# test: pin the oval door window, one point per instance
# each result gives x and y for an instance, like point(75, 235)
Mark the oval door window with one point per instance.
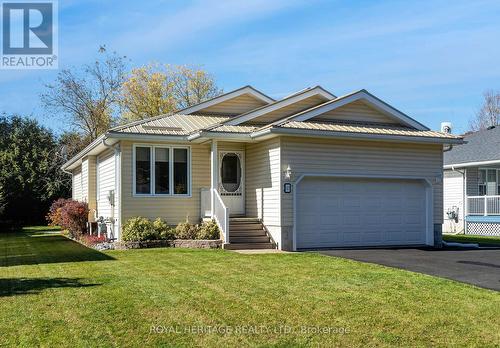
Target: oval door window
point(231, 172)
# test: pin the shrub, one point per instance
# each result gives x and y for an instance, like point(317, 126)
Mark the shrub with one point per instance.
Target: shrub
point(54, 216)
point(185, 230)
point(163, 230)
point(139, 229)
point(208, 230)
point(70, 215)
point(92, 240)
point(74, 216)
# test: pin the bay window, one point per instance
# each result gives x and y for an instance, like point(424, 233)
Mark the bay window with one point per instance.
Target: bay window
point(161, 170)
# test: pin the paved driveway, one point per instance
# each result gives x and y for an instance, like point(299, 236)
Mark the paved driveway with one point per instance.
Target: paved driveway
point(480, 267)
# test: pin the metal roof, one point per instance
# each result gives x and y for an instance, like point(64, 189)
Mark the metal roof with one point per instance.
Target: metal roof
point(176, 124)
point(365, 128)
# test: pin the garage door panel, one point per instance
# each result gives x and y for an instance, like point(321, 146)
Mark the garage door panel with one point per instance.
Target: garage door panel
point(334, 212)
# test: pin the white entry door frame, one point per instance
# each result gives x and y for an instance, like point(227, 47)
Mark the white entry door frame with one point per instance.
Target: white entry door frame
point(232, 180)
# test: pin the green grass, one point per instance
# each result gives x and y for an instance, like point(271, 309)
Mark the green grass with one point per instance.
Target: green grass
point(55, 292)
point(467, 238)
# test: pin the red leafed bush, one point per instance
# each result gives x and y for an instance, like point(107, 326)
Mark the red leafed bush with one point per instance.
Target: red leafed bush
point(70, 215)
point(54, 215)
point(92, 240)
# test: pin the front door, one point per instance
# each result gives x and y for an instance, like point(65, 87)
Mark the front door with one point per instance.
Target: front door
point(232, 181)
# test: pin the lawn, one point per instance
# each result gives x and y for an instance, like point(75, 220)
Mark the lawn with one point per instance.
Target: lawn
point(468, 238)
point(55, 292)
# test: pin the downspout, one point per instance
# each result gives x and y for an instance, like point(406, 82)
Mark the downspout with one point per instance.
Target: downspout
point(116, 202)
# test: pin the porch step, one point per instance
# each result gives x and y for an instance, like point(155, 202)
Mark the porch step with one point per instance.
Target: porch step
point(247, 233)
point(249, 239)
point(236, 220)
point(246, 227)
point(245, 246)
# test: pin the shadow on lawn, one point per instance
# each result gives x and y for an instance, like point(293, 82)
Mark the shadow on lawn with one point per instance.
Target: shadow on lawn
point(38, 248)
point(27, 286)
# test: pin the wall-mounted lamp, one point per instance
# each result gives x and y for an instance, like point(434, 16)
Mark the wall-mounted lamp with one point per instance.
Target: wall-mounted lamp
point(288, 173)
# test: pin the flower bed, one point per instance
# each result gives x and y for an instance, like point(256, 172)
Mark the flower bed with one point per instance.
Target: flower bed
point(175, 243)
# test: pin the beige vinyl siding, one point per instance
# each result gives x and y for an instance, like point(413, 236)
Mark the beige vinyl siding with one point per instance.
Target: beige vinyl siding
point(105, 183)
point(92, 188)
point(319, 156)
point(173, 209)
point(453, 196)
point(356, 111)
point(85, 180)
point(288, 110)
point(230, 146)
point(234, 106)
point(263, 182)
point(76, 184)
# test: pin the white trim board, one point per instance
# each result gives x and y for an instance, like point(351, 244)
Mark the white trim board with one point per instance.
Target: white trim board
point(359, 95)
point(294, 98)
point(470, 164)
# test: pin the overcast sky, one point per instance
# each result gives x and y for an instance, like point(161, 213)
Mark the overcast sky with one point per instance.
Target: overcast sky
point(432, 60)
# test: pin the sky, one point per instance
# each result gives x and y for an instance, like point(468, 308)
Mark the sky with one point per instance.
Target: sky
point(430, 59)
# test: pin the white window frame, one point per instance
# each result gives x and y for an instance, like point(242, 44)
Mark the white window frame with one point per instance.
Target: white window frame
point(171, 148)
point(497, 191)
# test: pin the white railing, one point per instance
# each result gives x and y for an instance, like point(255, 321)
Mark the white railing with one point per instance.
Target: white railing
point(483, 205)
point(221, 215)
point(205, 205)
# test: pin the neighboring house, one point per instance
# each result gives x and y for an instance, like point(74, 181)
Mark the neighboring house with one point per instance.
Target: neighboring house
point(314, 169)
point(472, 184)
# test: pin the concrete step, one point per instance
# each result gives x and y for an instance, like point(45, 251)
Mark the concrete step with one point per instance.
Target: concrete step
point(243, 219)
point(247, 233)
point(249, 239)
point(245, 227)
point(245, 246)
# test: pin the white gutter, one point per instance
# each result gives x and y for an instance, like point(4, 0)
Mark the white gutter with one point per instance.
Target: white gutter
point(152, 137)
point(471, 164)
point(220, 135)
point(83, 152)
point(333, 134)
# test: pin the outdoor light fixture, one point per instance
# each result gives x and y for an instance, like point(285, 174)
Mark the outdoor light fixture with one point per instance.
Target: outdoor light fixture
point(288, 172)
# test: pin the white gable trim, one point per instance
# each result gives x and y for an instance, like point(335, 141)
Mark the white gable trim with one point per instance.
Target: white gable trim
point(360, 95)
point(227, 96)
point(294, 98)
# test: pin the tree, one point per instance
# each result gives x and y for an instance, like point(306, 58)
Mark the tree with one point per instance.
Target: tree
point(30, 175)
point(147, 92)
point(489, 113)
point(155, 89)
point(192, 85)
point(88, 96)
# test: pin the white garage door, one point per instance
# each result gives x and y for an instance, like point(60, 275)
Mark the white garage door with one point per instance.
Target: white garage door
point(335, 212)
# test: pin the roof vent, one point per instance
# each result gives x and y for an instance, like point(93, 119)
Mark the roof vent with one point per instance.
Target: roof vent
point(490, 127)
point(446, 127)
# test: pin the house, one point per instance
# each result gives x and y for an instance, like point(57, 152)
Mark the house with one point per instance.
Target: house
point(472, 184)
point(311, 170)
